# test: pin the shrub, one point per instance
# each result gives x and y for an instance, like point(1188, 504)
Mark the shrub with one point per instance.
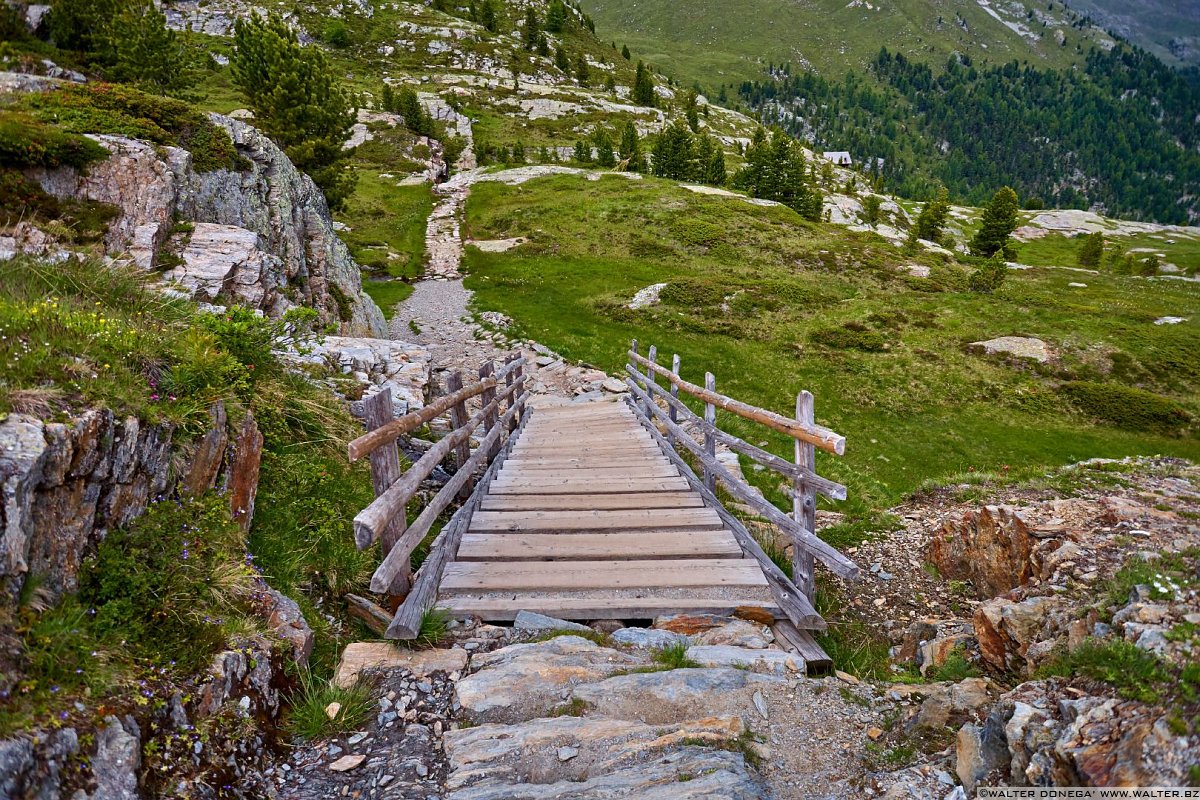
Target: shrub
point(698, 233)
point(336, 34)
point(849, 337)
point(1135, 673)
point(125, 111)
point(27, 143)
point(173, 584)
point(1125, 406)
point(692, 293)
point(989, 277)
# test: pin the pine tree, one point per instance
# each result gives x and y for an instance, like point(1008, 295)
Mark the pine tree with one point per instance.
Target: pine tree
point(999, 221)
point(610, 83)
point(872, 210)
point(1092, 250)
point(583, 72)
point(625, 54)
point(556, 16)
point(631, 148)
point(715, 173)
point(673, 156)
point(604, 149)
point(145, 51)
point(488, 15)
point(296, 101)
point(561, 61)
point(81, 25)
point(643, 86)
point(416, 118)
point(932, 218)
point(989, 277)
point(583, 152)
point(530, 29)
point(387, 99)
point(691, 111)
point(518, 152)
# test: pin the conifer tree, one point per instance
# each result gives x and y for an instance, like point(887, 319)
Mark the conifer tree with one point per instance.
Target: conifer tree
point(416, 118)
point(144, 51)
point(1092, 250)
point(531, 31)
point(932, 218)
point(583, 152)
point(556, 16)
point(631, 148)
point(999, 221)
point(561, 61)
point(81, 25)
point(296, 101)
point(488, 15)
point(673, 153)
point(604, 149)
point(625, 54)
point(691, 110)
point(583, 72)
point(643, 86)
point(715, 173)
point(872, 210)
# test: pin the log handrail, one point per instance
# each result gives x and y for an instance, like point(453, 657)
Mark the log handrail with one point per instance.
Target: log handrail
point(832, 490)
point(393, 430)
point(835, 561)
point(372, 520)
point(813, 434)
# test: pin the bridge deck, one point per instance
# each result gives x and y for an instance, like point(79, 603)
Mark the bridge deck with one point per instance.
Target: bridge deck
point(588, 519)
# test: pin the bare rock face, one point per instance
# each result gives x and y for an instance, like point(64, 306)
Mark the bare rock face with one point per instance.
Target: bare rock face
point(378, 364)
point(990, 547)
point(263, 238)
point(1006, 629)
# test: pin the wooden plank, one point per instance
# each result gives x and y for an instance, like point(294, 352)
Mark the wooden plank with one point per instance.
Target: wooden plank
point(594, 462)
point(610, 486)
point(598, 546)
point(474, 576)
point(369, 613)
point(633, 450)
point(585, 501)
point(590, 608)
point(659, 518)
point(802, 643)
point(629, 471)
point(814, 434)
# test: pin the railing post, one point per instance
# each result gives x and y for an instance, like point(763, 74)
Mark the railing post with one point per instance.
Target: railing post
point(651, 377)
point(674, 389)
point(385, 470)
point(804, 500)
point(458, 418)
point(486, 370)
point(710, 441)
point(509, 380)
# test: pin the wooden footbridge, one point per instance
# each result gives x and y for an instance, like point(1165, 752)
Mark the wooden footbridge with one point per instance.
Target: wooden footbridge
point(585, 511)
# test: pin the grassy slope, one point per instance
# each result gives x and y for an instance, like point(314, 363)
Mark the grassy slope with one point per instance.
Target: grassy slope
point(718, 42)
point(923, 409)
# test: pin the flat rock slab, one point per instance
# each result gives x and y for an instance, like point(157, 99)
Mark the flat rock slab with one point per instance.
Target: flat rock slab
point(649, 638)
point(360, 656)
point(532, 621)
point(611, 759)
point(1017, 346)
point(527, 680)
point(776, 661)
point(675, 695)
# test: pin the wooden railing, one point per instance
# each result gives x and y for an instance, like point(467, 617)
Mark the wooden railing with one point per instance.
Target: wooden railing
point(795, 596)
point(384, 520)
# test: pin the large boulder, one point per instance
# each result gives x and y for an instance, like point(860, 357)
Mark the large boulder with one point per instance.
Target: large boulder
point(1007, 628)
point(990, 547)
point(676, 695)
point(1018, 347)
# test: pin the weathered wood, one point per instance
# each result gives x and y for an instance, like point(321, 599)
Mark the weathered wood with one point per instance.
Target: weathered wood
point(410, 422)
point(588, 608)
point(472, 576)
point(594, 520)
point(664, 470)
point(398, 559)
point(673, 393)
point(385, 470)
point(831, 489)
point(804, 501)
point(458, 418)
point(406, 624)
point(794, 605)
point(580, 486)
point(803, 644)
point(710, 425)
point(640, 545)
point(585, 501)
point(486, 370)
point(369, 522)
point(816, 434)
point(370, 614)
point(835, 561)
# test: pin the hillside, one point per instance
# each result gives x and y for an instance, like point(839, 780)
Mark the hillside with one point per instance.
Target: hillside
point(717, 43)
point(1170, 30)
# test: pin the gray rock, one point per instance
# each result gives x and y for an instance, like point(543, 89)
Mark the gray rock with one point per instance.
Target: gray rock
point(16, 761)
point(524, 680)
point(1016, 346)
point(650, 638)
point(981, 751)
point(531, 621)
point(776, 661)
point(117, 760)
point(674, 695)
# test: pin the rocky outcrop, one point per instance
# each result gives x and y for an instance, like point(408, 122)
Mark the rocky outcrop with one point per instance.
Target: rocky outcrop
point(66, 484)
point(1018, 347)
point(989, 547)
point(262, 236)
point(377, 365)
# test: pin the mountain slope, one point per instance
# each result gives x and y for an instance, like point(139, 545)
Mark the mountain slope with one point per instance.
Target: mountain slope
point(1168, 28)
point(719, 42)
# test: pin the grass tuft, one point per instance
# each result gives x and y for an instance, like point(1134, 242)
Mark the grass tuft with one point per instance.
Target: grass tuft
point(307, 718)
point(674, 656)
